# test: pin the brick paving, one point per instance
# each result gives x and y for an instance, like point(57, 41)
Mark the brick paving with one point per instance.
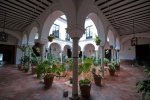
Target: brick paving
point(17, 85)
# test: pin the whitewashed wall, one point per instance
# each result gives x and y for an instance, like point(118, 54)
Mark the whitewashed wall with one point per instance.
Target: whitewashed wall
point(128, 51)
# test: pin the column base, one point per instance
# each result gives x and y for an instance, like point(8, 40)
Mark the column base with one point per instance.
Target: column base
point(74, 97)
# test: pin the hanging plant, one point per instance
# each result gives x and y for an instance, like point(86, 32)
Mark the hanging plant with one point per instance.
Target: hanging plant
point(97, 40)
point(51, 37)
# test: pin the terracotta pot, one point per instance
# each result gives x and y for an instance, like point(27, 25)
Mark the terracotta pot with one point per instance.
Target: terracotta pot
point(85, 90)
point(19, 67)
point(106, 64)
point(117, 67)
point(48, 80)
point(112, 72)
point(97, 81)
point(38, 75)
point(50, 39)
point(33, 68)
point(97, 43)
point(26, 70)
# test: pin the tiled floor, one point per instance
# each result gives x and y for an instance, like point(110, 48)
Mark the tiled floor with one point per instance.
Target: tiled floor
point(17, 85)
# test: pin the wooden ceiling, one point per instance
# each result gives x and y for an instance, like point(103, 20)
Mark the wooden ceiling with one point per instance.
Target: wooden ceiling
point(123, 13)
point(120, 13)
point(20, 13)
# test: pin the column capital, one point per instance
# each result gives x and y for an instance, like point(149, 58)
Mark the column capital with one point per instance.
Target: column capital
point(75, 31)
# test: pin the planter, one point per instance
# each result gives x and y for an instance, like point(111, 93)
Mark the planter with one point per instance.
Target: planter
point(48, 80)
point(105, 64)
point(50, 39)
point(112, 72)
point(38, 75)
point(111, 47)
point(85, 90)
point(19, 67)
point(71, 80)
point(26, 70)
point(98, 43)
point(97, 81)
point(33, 68)
point(117, 67)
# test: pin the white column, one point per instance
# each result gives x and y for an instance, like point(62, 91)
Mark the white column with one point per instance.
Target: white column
point(112, 54)
point(61, 57)
point(102, 60)
point(29, 54)
point(75, 67)
point(42, 51)
point(118, 56)
point(82, 56)
point(96, 54)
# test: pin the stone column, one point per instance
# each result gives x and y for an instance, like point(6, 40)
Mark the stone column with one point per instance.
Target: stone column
point(75, 68)
point(82, 56)
point(42, 51)
point(29, 54)
point(61, 57)
point(102, 58)
point(75, 32)
point(112, 52)
point(118, 55)
point(96, 54)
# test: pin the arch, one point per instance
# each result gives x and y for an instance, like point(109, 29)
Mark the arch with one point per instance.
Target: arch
point(111, 38)
point(32, 35)
point(24, 38)
point(89, 49)
point(10, 32)
point(117, 43)
point(55, 49)
point(56, 44)
point(87, 45)
point(67, 46)
point(87, 9)
point(49, 22)
point(146, 35)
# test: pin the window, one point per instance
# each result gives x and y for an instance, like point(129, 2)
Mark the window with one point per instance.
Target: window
point(67, 37)
point(56, 30)
point(89, 32)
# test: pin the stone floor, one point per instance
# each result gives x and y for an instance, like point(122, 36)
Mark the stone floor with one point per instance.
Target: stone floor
point(17, 85)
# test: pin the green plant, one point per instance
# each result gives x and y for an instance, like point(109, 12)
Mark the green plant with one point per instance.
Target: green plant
point(22, 47)
point(84, 81)
point(106, 60)
point(97, 39)
point(144, 85)
point(71, 77)
point(111, 65)
point(51, 35)
point(70, 61)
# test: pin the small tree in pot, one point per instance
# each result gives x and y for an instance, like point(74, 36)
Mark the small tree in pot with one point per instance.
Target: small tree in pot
point(112, 68)
point(85, 84)
point(97, 40)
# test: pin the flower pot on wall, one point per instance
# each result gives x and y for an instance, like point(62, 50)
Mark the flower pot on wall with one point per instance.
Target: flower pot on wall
point(50, 39)
point(98, 43)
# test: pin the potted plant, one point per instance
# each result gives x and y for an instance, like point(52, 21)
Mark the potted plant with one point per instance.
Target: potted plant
point(71, 79)
point(85, 83)
point(112, 68)
point(144, 85)
point(50, 69)
point(51, 37)
point(106, 61)
point(117, 65)
point(97, 40)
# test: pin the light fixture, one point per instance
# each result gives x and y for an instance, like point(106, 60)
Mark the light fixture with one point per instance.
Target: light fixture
point(134, 40)
point(3, 35)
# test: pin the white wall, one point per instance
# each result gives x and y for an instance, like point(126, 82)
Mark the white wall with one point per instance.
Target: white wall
point(128, 51)
point(89, 22)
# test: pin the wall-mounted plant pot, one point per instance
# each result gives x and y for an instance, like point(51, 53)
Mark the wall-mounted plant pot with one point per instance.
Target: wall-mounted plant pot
point(97, 43)
point(50, 39)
